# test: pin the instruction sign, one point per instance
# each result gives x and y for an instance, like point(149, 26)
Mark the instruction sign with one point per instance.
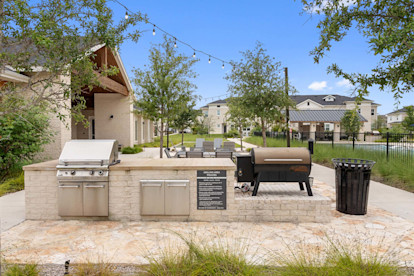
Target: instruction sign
point(211, 190)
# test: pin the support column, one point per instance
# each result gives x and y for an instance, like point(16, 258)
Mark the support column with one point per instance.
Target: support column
point(312, 130)
point(337, 131)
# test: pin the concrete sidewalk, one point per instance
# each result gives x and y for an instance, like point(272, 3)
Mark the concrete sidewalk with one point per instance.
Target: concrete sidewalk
point(388, 198)
point(11, 210)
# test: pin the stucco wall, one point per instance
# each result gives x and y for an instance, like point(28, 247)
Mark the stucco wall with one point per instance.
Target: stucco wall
point(118, 127)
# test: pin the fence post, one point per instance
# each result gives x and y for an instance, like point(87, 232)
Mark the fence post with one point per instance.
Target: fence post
point(353, 141)
point(388, 144)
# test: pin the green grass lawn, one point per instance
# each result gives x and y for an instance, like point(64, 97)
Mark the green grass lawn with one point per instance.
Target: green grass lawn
point(189, 140)
point(396, 172)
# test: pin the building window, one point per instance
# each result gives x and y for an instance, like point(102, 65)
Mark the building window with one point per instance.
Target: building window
point(218, 111)
point(372, 112)
point(308, 103)
point(206, 113)
point(218, 125)
point(136, 130)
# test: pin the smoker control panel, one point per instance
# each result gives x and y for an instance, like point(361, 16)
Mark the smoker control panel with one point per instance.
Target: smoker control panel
point(82, 173)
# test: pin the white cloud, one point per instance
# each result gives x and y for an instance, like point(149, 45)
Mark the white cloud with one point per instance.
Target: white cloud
point(318, 85)
point(344, 82)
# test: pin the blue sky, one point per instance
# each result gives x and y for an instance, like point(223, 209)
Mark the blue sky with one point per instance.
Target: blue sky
point(224, 28)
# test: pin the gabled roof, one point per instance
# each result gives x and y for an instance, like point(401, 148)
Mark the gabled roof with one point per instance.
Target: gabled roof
point(398, 110)
point(339, 99)
point(218, 102)
point(324, 115)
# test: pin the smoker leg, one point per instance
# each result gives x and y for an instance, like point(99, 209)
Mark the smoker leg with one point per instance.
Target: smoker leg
point(252, 183)
point(308, 188)
point(301, 186)
point(256, 186)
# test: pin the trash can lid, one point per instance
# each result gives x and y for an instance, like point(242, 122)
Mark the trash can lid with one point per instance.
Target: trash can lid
point(353, 163)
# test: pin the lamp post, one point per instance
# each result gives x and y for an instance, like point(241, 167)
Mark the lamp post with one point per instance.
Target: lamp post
point(287, 108)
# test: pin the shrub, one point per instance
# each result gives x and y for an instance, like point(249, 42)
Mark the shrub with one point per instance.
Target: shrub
point(92, 269)
point(22, 135)
point(12, 185)
point(131, 150)
point(26, 270)
point(231, 134)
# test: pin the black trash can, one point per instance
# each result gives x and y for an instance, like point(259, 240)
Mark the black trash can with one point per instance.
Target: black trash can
point(352, 185)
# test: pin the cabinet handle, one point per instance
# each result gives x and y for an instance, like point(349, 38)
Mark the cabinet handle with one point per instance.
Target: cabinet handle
point(69, 186)
point(100, 186)
point(177, 184)
point(151, 184)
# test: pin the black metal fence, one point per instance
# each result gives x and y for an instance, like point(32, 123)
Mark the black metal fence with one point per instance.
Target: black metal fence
point(391, 145)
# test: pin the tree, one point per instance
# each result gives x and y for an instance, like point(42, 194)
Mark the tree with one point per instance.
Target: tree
point(256, 81)
point(408, 122)
point(350, 122)
point(56, 36)
point(237, 114)
point(379, 123)
point(22, 135)
point(165, 86)
point(388, 27)
point(185, 118)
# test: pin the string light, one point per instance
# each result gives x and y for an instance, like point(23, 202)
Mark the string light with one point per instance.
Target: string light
point(209, 59)
point(172, 36)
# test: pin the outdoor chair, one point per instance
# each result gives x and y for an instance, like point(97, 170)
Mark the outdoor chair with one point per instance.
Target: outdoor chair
point(197, 149)
point(199, 142)
point(167, 152)
point(224, 154)
point(208, 146)
point(217, 143)
point(231, 146)
point(194, 154)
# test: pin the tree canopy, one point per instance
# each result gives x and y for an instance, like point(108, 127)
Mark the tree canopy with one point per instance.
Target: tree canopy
point(256, 81)
point(238, 115)
point(50, 41)
point(388, 27)
point(350, 122)
point(408, 122)
point(164, 86)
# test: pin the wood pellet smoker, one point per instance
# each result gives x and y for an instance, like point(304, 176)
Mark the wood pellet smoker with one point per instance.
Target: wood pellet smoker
point(275, 165)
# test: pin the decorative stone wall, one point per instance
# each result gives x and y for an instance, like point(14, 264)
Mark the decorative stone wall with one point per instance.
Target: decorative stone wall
point(275, 202)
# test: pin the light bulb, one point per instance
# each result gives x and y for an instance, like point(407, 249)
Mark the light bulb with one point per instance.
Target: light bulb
point(175, 44)
point(194, 55)
point(126, 15)
point(222, 67)
point(209, 59)
point(153, 31)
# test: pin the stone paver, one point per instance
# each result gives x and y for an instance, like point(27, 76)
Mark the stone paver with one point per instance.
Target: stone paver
point(134, 242)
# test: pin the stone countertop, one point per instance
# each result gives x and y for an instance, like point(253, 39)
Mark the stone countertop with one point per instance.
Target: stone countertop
point(176, 164)
point(153, 164)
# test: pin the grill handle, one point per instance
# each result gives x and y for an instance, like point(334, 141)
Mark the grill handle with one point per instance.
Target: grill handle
point(69, 186)
point(284, 160)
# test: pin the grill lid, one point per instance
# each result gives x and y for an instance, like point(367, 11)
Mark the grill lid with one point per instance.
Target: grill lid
point(86, 153)
point(281, 156)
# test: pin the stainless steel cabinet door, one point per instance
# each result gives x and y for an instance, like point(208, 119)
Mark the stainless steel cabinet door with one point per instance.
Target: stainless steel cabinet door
point(95, 199)
point(177, 197)
point(152, 197)
point(70, 199)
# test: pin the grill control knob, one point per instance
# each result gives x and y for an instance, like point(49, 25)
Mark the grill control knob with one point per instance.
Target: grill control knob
point(100, 172)
point(91, 172)
point(72, 172)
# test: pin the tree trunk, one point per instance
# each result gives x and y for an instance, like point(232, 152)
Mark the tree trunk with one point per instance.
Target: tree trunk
point(161, 137)
point(182, 137)
point(263, 133)
point(241, 137)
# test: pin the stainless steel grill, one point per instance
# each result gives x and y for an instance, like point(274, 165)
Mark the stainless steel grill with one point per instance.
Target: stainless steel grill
point(275, 165)
point(83, 177)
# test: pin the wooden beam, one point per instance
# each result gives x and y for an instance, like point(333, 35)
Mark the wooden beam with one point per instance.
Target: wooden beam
point(111, 85)
point(105, 62)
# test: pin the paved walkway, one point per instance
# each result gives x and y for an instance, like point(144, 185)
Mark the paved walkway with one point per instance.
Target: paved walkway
point(391, 199)
point(11, 210)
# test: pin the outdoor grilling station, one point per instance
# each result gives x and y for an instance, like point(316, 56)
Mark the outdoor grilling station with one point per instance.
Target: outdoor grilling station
point(91, 181)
